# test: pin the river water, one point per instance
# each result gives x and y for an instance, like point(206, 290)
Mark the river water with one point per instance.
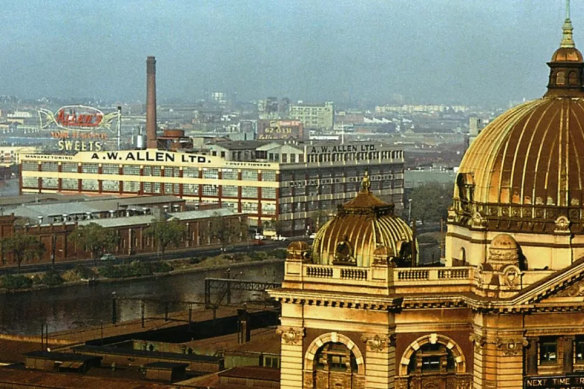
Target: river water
point(84, 305)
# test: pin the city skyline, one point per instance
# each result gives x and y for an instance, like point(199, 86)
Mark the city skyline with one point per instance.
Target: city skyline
point(429, 52)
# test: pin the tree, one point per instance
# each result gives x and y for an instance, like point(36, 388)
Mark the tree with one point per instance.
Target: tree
point(226, 230)
point(164, 233)
point(277, 225)
point(95, 239)
point(318, 218)
point(430, 202)
point(23, 246)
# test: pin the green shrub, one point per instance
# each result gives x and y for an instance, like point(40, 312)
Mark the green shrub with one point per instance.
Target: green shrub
point(279, 253)
point(36, 279)
point(108, 271)
point(238, 257)
point(134, 269)
point(160, 267)
point(10, 281)
point(52, 278)
point(84, 272)
point(257, 255)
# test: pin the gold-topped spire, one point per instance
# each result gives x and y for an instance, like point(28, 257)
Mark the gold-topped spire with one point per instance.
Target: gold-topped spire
point(567, 40)
point(366, 183)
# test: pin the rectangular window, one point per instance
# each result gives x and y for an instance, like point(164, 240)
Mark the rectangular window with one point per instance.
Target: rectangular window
point(90, 168)
point(191, 172)
point(268, 175)
point(69, 184)
point(229, 191)
point(131, 186)
point(548, 350)
point(249, 191)
point(269, 193)
point(171, 171)
point(110, 169)
point(211, 173)
point(210, 190)
point(110, 186)
point(69, 167)
point(131, 170)
point(285, 192)
point(268, 209)
point(249, 175)
point(286, 176)
point(91, 185)
point(191, 189)
point(579, 349)
point(172, 189)
point(31, 166)
point(50, 167)
point(229, 174)
point(249, 207)
point(153, 171)
point(50, 183)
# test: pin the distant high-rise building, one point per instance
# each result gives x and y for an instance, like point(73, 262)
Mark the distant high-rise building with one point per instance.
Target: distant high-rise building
point(314, 116)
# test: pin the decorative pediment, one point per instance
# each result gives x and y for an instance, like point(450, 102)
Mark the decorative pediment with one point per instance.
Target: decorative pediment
point(566, 285)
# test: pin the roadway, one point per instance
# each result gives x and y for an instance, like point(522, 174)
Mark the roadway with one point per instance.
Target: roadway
point(266, 245)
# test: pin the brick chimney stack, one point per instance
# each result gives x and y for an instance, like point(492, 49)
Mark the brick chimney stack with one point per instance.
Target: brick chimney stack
point(151, 142)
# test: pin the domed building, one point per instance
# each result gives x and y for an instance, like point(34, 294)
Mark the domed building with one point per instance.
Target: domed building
point(524, 175)
point(362, 226)
point(506, 310)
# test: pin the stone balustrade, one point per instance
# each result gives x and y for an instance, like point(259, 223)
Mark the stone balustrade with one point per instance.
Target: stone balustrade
point(378, 275)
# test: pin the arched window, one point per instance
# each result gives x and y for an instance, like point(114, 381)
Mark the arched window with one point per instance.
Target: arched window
point(334, 367)
point(573, 79)
point(431, 359)
point(333, 361)
point(561, 78)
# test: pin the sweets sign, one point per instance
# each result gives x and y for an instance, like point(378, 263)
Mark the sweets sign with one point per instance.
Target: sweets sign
point(76, 117)
point(77, 127)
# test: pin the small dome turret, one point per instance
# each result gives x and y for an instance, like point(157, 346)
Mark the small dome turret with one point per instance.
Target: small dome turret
point(361, 227)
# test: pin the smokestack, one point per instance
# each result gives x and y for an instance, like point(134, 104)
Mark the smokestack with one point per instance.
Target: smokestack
point(151, 103)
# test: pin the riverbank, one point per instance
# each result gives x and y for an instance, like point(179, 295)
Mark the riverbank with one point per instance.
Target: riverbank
point(82, 306)
point(95, 274)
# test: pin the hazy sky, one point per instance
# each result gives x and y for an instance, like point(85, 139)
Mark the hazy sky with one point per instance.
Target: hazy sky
point(465, 51)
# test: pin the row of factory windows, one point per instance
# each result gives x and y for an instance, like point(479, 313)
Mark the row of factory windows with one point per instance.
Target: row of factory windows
point(357, 156)
point(72, 184)
point(349, 187)
point(154, 171)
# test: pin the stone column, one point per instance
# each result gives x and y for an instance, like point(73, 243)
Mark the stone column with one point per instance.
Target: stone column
point(380, 361)
point(568, 360)
point(291, 357)
point(532, 356)
point(499, 362)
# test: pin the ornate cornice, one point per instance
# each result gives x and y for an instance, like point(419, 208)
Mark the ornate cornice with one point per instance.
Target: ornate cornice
point(533, 218)
point(378, 343)
point(565, 289)
point(324, 299)
point(291, 335)
point(511, 346)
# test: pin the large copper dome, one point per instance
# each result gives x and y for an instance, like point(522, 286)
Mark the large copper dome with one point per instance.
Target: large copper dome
point(526, 168)
point(361, 228)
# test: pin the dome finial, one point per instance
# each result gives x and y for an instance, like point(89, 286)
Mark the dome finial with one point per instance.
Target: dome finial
point(567, 40)
point(567, 9)
point(366, 183)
